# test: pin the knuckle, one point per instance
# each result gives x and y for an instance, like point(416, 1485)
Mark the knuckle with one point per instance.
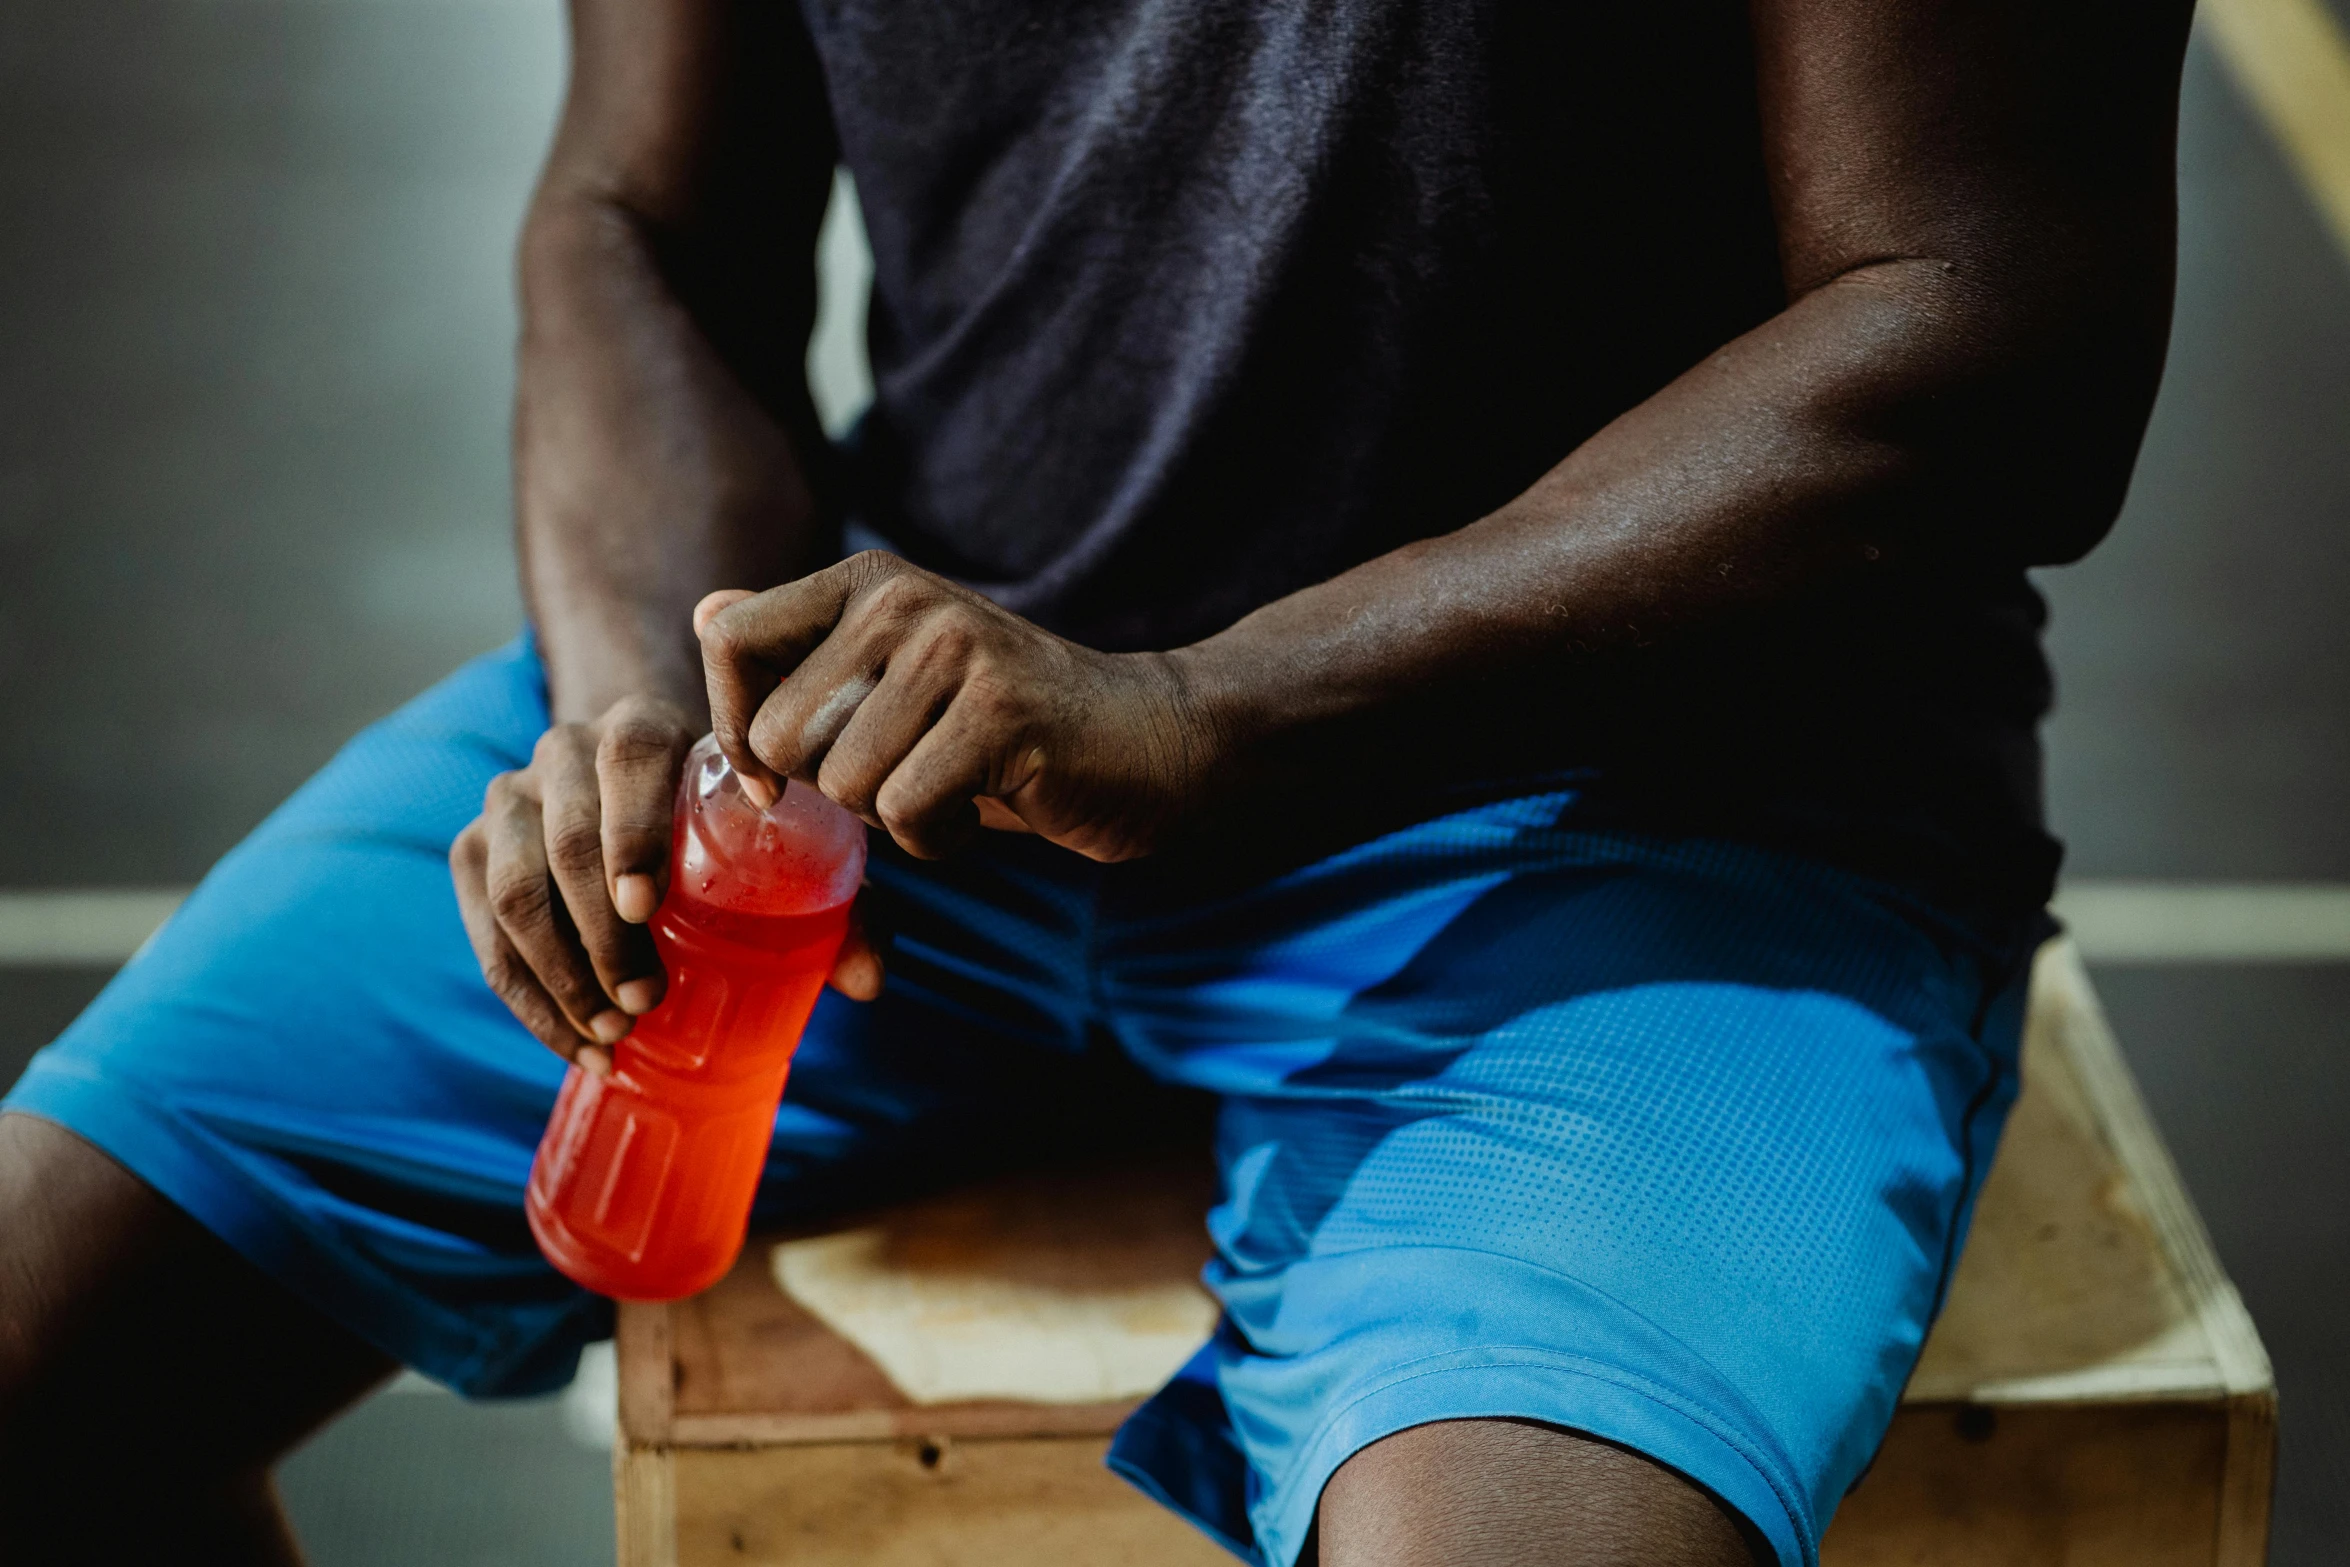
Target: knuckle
point(635, 841)
point(991, 696)
point(639, 816)
point(899, 813)
point(769, 730)
point(870, 566)
point(506, 975)
point(896, 596)
point(724, 636)
point(845, 785)
point(575, 844)
point(519, 900)
point(633, 727)
point(640, 710)
point(949, 639)
point(636, 737)
point(560, 743)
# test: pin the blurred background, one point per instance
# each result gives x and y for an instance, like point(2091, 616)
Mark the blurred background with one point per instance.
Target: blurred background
point(255, 332)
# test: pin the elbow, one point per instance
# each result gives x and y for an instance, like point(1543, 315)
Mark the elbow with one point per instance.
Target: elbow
point(2072, 421)
point(2026, 427)
point(570, 233)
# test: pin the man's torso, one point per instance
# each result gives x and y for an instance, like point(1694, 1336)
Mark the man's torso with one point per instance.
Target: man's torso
point(1183, 305)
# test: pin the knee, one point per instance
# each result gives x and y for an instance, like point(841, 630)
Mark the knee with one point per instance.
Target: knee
point(1513, 1493)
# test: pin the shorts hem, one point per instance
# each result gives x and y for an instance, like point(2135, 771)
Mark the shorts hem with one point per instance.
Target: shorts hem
point(1528, 1383)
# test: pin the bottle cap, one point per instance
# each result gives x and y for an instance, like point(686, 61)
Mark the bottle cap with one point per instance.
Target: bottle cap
point(801, 855)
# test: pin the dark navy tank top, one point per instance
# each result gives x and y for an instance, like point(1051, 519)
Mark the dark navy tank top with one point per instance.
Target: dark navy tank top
point(1182, 305)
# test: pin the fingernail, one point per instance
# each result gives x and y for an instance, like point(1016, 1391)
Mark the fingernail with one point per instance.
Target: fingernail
point(758, 791)
point(608, 1026)
point(634, 897)
point(639, 995)
point(594, 1060)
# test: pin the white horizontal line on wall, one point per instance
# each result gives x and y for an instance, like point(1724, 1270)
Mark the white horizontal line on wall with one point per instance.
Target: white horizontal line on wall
point(2113, 921)
point(78, 927)
point(2207, 922)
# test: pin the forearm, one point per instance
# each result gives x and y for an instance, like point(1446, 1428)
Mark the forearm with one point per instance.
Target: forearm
point(1900, 415)
point(647, 474)
point(663, 430)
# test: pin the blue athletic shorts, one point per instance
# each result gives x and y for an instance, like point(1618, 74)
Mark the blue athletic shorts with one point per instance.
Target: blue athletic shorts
point(1664, 1139)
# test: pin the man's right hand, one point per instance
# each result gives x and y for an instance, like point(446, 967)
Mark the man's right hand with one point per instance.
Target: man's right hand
point(567, 861)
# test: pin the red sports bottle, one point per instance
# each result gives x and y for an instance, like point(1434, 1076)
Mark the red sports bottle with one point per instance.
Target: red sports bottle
point(642, 1186)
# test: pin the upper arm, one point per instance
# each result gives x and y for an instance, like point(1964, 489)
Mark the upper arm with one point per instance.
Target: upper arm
point(2003, 171)
point(1988, 133)
point(700, 130)
point(684, 111)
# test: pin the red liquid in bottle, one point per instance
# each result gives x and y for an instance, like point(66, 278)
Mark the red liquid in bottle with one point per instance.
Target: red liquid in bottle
point(643, 1183)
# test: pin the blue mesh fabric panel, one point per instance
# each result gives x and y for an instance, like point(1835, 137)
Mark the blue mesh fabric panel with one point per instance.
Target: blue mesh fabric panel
point(1665, 1140)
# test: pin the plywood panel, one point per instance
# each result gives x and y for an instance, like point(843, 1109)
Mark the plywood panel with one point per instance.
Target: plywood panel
point(2133, 1485)
point(913, 1503)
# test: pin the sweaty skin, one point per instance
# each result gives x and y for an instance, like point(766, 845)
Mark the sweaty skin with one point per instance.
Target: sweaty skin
point(1974, 203)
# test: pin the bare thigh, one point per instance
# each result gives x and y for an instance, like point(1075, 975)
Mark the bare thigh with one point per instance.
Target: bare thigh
point(149, 1376)
point(1514, 1493)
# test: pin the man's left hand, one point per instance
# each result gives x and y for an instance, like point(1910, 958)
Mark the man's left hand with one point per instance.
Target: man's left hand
point(931, 712)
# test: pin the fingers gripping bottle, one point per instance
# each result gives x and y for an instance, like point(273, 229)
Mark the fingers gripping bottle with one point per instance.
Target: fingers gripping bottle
point(642, 1186)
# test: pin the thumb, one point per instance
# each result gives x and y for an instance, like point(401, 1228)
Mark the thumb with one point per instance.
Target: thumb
point(712, 603)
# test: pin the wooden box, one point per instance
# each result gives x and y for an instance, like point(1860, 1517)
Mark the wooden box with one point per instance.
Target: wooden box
point(2094, 1393)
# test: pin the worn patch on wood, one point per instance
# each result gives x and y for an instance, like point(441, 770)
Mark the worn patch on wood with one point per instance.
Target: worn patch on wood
point(957, 1334)
point(1073, 1287)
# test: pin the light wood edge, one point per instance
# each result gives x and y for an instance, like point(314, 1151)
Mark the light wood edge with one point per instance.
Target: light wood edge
point(2082, 1033)
point(644, 1505)
point(648, 1375)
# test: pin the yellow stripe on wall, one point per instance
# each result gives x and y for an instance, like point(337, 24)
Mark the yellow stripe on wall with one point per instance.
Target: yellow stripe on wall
point(2292, 61)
